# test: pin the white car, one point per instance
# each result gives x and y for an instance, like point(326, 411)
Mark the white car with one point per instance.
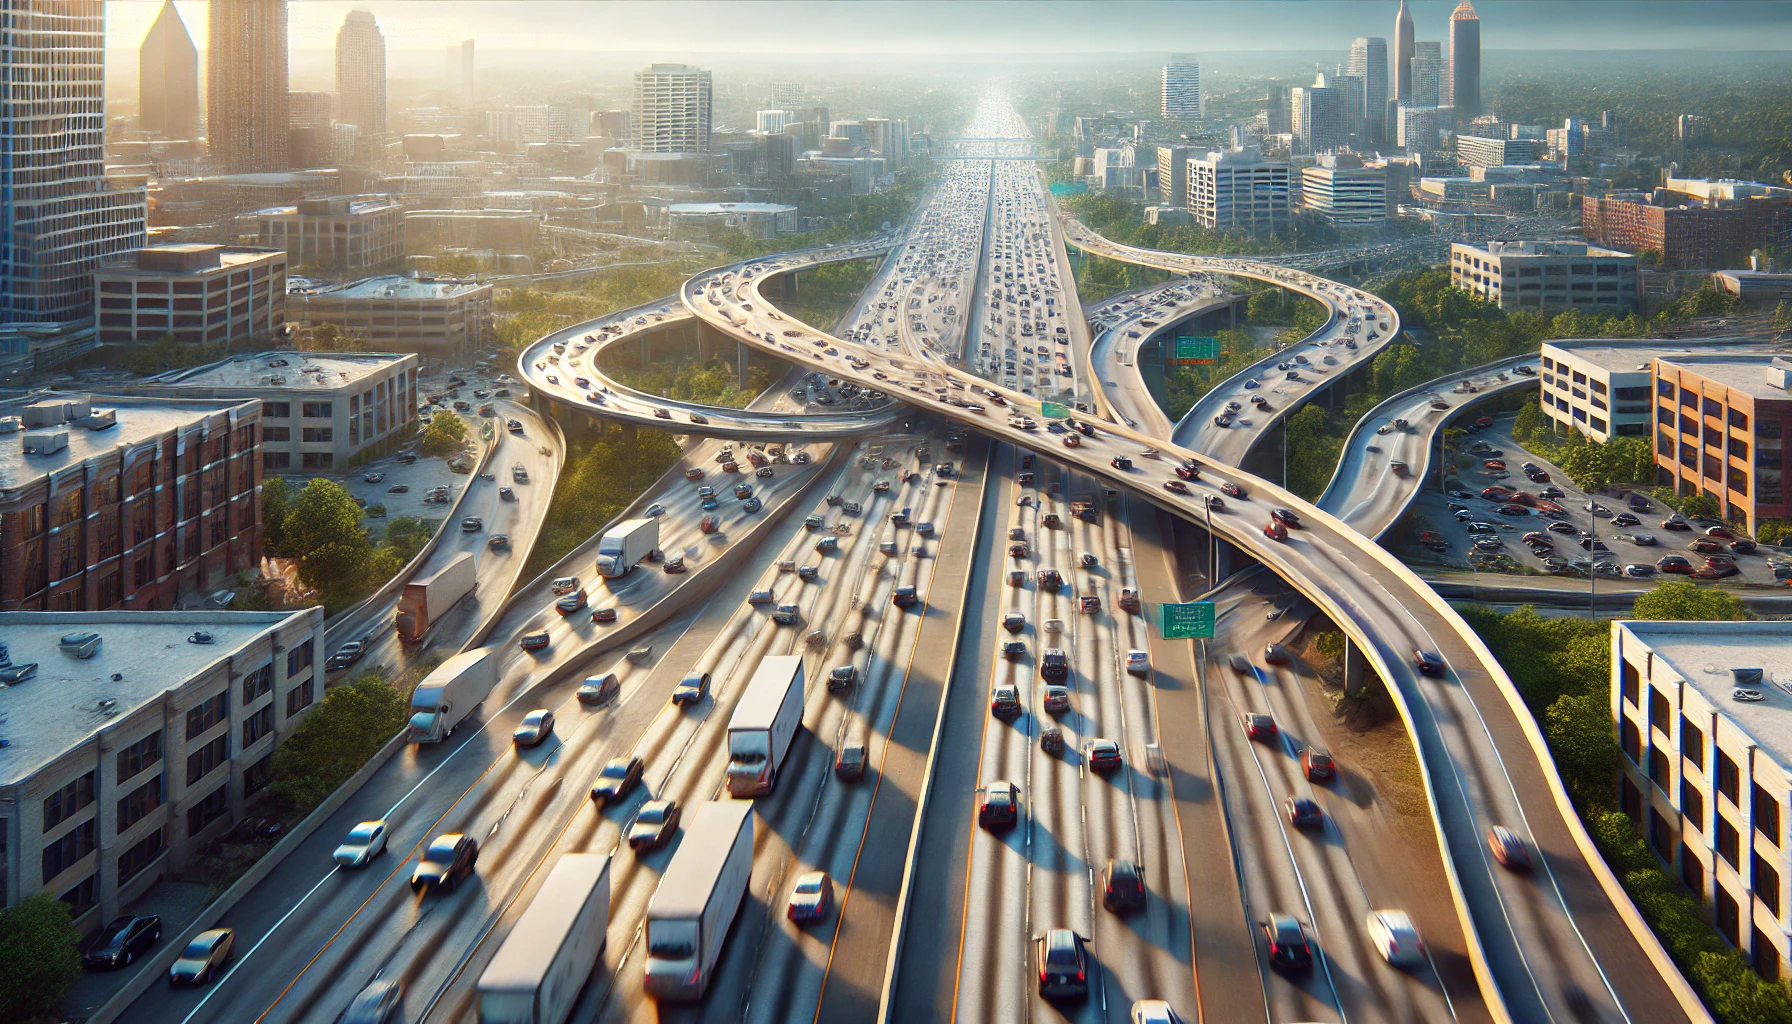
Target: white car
point(365, 842)
point(1138, 663)
point(1154, 1011)
point(1396, 938)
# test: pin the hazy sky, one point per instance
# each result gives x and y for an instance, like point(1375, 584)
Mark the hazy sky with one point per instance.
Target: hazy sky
point(669, 28)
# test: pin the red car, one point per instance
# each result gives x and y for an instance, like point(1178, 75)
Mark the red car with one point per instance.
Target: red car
point(1259, 727)
point(1318, 765)
point(1274, 530)
point(693, 474)
point(1508, 848)
point(708, 525)
point(1720, 533)
point(1706, 546)
point(1071, 440)
point(1232, 490)
point(1188, 472)
point(1175, 487)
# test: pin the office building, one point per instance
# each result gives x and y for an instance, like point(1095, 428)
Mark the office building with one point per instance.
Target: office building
point(1172, 173)
point(1475, 151)
point(672, 109)
point(1720, 424)
point(1180, 83)
point(1369, 62)
point(1690, 230)
point(1465, 60)
point(1547, 275)
point(1238, 190)
point(1691, 131)
point(703, 221)
point(168, 78)
point(341, 233)
point(1343, 193)
point(771, 120)
point(1417, 130)
point(122, 765)
point(245, 98)
point(1428, 70)
point(1276, 118)
point(1754, 287)
point(320, 411)
point(1403, 54)
point(125, 502)
point(361, 74)
point(1319, 119)
point(1707, 772)
point(457, 72)
point(787, 95)
point(59, 217)
point(195, 293)
point(444, 319)
point(1603, 392)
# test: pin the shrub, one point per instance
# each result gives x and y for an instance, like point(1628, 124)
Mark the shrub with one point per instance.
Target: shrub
point(1680, 600)
point(39, 957)
point(354, 720)
point(445, 435)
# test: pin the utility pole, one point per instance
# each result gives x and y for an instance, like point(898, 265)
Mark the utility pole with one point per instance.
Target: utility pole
point(1592, 561)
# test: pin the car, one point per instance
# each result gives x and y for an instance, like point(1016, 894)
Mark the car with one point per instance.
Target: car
point(536, 641)
point(1705, 546)
point(654, 825)
point(1259, 726)
point(373, 478)
point(1014, 649)
point(655, 510)
point(1427, 663)
point(1004, 701)
point(1716, 572)
point(1719, 532)
point(122, 941)
point(1626, 519)
point(999, 806)
point(1088, 604)
point(1673, 564)
point(1274, 530)
point(376, 1003)
point(842, 678)
point(811, 897)
point(1138, 663)
point(691, 689)
point(1120, 462)
point(1286, 517)
point(708, 524)
point(346, 655)
point(1674, 522)
point(849, 764)
point(905, 596)
point(1512, 510)
point(1395, 938)
point(363, 843)
point(1318, 766)
point(204, 956)
point(1287, 941)
point(506, 494)
point(1562, 527)
point(1175, 487)
point(599, 689)
point(1103, 755)
point(1088, 560)
point(498, 541)
point(1123, 886)
point(674, 566)
point(1644, 539)
point(1555, 493)
point(616, 780)
point(472, 524)
point(1063, 964)
point(571, 602)
point(1276, 654)
point(1303, 812)
point(663, 414)
point(449, 858)
point(564, 584)
point(535, 727)
point(693, 474)
point(1508, 848)
point(1639, 570)
point(1014, 622)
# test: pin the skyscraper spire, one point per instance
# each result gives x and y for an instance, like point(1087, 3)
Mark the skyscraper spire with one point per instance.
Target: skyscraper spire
point(168, 78)
point(1403, 47)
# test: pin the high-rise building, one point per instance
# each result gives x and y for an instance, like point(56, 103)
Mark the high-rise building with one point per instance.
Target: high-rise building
point(787, 95)
point(457, 71)
point(1275, 111)
point(1172, 173)
point(246, 113)
point(168, 78)
point(1403, 54)
point(1369, 62)
point(1343, 193)
point(58, 216)
point(1465, 60)
point(1319, 119)
point(672, 109)
point(1417, 129)
point(361, 73)
point(1237, 189)
point(1691, 131)
point(771, 120)
point(1181, 80)
point(1428, 75)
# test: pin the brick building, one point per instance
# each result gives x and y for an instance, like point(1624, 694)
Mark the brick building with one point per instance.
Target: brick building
point(1720, 429)
point(136, 503)
point(1687, 232)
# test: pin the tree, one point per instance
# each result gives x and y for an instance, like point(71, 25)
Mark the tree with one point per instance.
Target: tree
point(276, 501)
point(1698, 506)
point(323, 513)
point(1579, 730)
point(1684, 601)
point(354, 720)
point(445, 435)
point(1649, 258)
point(1530, 423)
point(39, 957)
point(407, 534)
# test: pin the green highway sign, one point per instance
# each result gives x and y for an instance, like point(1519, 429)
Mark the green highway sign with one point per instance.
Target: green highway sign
point(1191, 351)
point(1192, 620)
point(1054, 411)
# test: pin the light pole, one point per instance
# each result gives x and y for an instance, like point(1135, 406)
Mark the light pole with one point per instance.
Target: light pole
point(1592, 559)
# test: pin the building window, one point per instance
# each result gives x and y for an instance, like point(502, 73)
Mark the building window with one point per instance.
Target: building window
point(61, 854)
point(1659, 769)
point(206, 811)
point(1728, 842)
point(276, 410)
point(1738, 418)
point(1712, 407)
point(317, 410)
point(132, 862)
point(1765, 956)
point(206, 759)
point(316, 435)
point(1728, 920)
point(141, 801)
point(207, 713)
point(1692, 803)
point(1729, 778)
point(257, 683)
point(1767, 885)
point(137, 757)
point(1627, 682)
point(65, 802)
point(83, 896)
point(276, 460)
point(1692, 871)
point(1766, 813)
point(277, 435)
point(258, 725)
point(298, 698)
point(1629, 741)
point(1658, 711)
point(1692, 743)
point(257, 776)
point(298, 659)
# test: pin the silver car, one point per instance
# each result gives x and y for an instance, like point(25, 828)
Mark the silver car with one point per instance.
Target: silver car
point(364, 842)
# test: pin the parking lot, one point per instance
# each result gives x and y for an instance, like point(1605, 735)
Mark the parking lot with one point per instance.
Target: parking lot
point(1634, 538)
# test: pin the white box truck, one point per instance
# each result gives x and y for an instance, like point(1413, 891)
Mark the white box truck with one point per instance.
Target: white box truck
point(690, 912)
point(764, 723)
point(546, 959)
point(625, 544)
point(423, 602)
point(451, 692)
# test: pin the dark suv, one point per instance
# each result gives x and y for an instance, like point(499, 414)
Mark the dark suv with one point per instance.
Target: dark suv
point(122, 941)
point(1063, 965)
point(1123, 886)
point(450, 858)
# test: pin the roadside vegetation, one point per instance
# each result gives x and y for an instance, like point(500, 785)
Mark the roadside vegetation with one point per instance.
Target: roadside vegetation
point(523, 315)
point(39, 958)
point(601, 477)
point(352, 722)
point(1562, 669)
point(319, 525)
point(853, 218)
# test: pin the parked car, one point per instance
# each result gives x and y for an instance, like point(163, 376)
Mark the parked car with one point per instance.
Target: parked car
point(123, 941)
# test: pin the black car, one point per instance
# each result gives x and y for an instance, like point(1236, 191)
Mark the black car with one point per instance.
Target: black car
point(1063, 964)
point(1427, 663)
point(122, 941)
point(1123, 886)
point(691, 689)
point(654, 825)
point(1288, 948)
point(1304, 812)
point(1286, 517)
point(450, 857)
point(617, 779)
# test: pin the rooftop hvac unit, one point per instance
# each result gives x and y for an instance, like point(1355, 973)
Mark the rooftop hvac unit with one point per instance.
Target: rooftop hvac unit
point(100, 419)
point(45, 442)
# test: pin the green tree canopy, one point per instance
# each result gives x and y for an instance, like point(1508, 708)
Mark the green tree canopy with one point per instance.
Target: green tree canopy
point(1681, 600)
point(324, 513)
point(39, 956)
point(354, 720)
point(276, 502)
point(445, 435)
point(1699, 506)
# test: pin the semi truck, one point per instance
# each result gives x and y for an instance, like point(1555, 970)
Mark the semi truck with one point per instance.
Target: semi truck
point(424, 602)
point(698, 896)
point(764, 723)
point(625, 544)
point(537, 973)
point(448, 694)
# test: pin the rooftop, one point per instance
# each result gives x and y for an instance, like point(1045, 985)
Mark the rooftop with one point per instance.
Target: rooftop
point(1637, 356)
point(138, 419)
point(396, 287)
point(1703, 653)
point(1758, 376)
point(141, 655)
point(1531, 247)
point(293, 371)
point(714, 208)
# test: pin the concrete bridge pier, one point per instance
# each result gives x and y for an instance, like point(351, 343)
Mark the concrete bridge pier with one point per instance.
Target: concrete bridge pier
point(742, 357)
point(1356, 670)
